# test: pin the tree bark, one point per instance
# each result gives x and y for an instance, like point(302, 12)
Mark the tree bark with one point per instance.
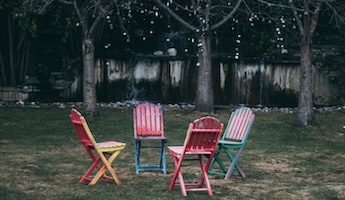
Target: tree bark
point(89, 89)
point(3, 80)
point(305, 115)
point(204, 95)
point(13, 81)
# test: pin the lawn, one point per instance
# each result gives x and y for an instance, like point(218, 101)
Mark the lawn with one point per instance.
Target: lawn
point(42, 158)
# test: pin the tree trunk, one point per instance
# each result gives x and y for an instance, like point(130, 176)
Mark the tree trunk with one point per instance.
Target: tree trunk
point(3, 80)
point(89, 88)
point(305, 115)
point(13, 81)
point(204, 93)
point(23, 54)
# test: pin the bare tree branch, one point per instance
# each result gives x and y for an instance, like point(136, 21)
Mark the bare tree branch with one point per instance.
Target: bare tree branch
point(315, 16)
point(38, 7)
point(103, 11)
point(175, 16)
point(277, 4)
point(295, 13)
point(122, 26)
point(76, 8)
point(229, 16)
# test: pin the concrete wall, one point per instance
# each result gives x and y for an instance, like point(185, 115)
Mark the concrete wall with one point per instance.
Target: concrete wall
point(13, 94)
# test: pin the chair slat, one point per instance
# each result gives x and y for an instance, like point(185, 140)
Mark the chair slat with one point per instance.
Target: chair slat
point(148, 120)
point(238, 124)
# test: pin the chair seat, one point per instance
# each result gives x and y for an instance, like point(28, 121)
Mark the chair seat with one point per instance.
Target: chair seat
point(178, 150)
point(230, 142)
point(110, 144)
point(150, 138)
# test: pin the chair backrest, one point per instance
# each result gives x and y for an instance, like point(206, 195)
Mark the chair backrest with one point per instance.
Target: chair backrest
point(82, 129)
point(203, 135)
point(148, 120)
point(239, 125)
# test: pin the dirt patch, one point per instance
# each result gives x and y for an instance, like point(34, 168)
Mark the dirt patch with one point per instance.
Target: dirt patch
point(276, 165)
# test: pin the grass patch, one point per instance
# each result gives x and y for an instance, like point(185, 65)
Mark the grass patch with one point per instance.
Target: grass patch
point(42, 158)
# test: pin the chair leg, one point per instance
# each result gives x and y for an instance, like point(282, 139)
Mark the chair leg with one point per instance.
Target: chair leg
point(173, 179)
point(111, 169)
point(178, 174)
point(204, 177)
point(107, 166)
point(233, 159)
point(216, 159)
point(161, 166)
point(212, 163)
point(86, 176)
point(182, 183)
point(204, 181)
point(234, 164)
point(162, 162)
point(137, 146)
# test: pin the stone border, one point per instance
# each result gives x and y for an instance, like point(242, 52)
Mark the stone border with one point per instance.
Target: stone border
point(181, 106)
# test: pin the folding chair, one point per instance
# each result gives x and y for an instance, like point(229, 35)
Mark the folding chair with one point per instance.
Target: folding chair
point(98, 152)
point(149, 127)
point(234, 139)
point(201, 140)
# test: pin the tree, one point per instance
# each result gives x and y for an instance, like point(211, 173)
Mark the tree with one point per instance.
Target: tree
point(90, 14)
point(306, 15)
point(202, 17)
point(18, 32)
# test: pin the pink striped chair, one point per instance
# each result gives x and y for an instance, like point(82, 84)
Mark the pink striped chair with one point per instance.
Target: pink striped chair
point(149, 126)
point(200, 145)
point(232, 143)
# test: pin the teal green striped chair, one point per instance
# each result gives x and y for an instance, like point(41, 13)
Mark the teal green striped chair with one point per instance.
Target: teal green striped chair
point(232, 143)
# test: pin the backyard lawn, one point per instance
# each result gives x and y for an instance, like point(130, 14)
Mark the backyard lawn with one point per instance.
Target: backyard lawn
point(42, 157)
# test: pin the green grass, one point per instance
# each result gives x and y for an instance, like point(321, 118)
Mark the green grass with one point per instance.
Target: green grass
point(42, 158)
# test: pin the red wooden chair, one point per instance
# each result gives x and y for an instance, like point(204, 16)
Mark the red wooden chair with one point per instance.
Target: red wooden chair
point(234, 139)
point(149, 127)
point(98, 152)
point(201, 140)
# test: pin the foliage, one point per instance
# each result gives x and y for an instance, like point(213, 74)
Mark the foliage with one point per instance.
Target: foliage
point(42, 157)
point(19, 28)
point(333, 64)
